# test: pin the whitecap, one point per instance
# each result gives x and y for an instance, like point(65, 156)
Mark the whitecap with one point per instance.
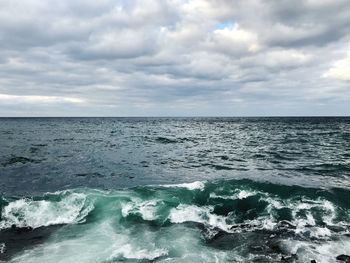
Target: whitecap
point(238, 194)
point(187, 213)
point(29, 213)
point(191, 213)
point(128, 252)
point(320, 232)
point(147, 209)
point(190, 186)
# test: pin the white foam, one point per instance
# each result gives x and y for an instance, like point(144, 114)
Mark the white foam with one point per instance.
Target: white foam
point(303, 214)
point(268, 223)
point(274, 203)
point(244, 194)
point(28, 213)
point(187, 213)
point(129, 252)
point(324, 252)
point(330, 212)
point(2, 248)
point(239, 194)
point(147, 209)
point(203, 215)
point(320, 232)
point(190, 186)
point(307, 223)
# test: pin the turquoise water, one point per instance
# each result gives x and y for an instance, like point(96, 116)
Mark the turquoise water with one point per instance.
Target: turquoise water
point(174, 190)
point(223, 221)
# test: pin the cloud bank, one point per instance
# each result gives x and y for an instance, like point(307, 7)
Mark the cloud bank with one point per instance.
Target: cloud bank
point(174, 57)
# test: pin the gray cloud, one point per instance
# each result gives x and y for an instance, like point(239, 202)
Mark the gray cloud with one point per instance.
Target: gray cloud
point(174, 57)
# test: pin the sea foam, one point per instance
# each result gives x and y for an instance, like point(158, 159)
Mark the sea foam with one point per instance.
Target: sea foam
point(127, 252)
point(146, 209)
point(29, 213)
point(190, 186)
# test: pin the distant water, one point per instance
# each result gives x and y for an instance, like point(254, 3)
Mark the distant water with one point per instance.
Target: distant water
point(174, 189)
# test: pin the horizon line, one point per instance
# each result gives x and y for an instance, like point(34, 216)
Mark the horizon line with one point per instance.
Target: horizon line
point(197, 116)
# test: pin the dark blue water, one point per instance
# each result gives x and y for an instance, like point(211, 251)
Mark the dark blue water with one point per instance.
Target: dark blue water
point(174, 189)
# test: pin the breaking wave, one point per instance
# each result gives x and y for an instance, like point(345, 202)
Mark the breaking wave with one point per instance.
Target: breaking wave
point(222, 220)
point(68, 209)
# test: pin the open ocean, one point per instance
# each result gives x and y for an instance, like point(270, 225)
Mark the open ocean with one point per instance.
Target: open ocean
point(174, 189)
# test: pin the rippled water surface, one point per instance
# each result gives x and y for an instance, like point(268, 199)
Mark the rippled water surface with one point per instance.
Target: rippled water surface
point(174, 189)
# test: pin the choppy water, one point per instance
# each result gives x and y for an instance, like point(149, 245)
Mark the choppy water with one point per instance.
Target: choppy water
point(174, 190)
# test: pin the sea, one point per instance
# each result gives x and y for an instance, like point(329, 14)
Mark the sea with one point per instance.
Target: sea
point(174, 189)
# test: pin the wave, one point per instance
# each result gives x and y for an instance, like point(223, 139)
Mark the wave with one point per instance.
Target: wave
point(190, 186)
point(236, 202)
point(128, 252)
point(156, 222)
point(70, 208)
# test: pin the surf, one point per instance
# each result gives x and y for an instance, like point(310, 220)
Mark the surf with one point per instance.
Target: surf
point(209, 221)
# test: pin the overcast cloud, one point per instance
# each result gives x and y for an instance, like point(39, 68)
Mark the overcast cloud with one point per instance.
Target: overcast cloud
point(174, 57)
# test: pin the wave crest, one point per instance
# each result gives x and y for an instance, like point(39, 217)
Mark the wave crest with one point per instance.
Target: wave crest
point(127, 252)
point(72, 208)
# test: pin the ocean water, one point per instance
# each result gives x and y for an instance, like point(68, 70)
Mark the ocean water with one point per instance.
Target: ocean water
point(174, 189)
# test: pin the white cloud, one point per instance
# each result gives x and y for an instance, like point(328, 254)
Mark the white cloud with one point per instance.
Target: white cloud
point(141, 56)
point(279, 58)
point(120, 44)
point(6, 98)
point(340, 70)
point(233, 40)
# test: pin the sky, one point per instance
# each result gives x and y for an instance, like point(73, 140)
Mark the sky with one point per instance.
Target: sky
point(174, 57)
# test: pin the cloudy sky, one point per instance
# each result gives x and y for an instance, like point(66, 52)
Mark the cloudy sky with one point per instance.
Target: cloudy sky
point(174, 57)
